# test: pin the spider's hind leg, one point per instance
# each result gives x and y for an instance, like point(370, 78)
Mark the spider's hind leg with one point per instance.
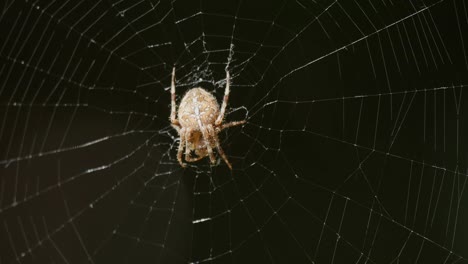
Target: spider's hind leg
point(220, 117)
point(231, 124)
point(175, 123)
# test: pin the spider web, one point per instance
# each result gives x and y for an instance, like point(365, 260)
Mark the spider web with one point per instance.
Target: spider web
point(354, 150)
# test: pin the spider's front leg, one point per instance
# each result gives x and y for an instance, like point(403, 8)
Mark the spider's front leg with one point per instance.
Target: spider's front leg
point(208, 138)
point(188, 158)
point(181, 147)
point(215, 138)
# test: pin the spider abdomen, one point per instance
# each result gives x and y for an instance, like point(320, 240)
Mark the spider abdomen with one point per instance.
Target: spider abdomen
point(198, 107)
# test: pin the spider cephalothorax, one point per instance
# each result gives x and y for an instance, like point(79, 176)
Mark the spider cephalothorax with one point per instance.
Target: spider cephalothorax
point(198, 122)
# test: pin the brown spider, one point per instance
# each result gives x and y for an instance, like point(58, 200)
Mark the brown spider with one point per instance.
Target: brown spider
point(199, 122)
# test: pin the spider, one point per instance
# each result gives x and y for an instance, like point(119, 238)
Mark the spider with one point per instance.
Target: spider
point(198, 123)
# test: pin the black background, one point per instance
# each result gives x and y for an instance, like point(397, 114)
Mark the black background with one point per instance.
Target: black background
point(354, 150)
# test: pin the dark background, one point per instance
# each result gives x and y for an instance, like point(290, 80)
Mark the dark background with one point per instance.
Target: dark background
point(354, 150)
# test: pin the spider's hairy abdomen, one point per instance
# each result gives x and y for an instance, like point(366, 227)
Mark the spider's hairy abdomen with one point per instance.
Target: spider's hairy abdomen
point(197, 105)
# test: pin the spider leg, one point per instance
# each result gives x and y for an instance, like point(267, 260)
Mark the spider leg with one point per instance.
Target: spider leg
point(231, 124)
point(181, 147)
point(215, 138)
point(219, 120)
point(187, 151)
point(174, 121)
point(207, 136)
point(176, 127)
